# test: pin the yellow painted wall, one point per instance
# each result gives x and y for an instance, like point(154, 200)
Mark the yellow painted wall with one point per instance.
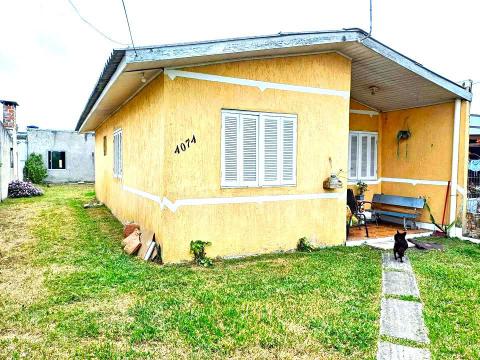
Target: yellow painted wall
point(463, 160)
point(169, 111)
point(429, 155)
point(142, 124)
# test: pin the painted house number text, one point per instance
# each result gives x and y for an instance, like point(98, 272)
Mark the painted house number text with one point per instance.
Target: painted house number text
point(185, 145)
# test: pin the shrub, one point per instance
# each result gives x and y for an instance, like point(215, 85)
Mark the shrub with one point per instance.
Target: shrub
point(197, 248)
point(304, 245)
point(17, 189)
point(35, 170)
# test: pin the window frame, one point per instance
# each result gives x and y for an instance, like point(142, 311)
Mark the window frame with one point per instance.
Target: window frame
point(12, 161)
point(118, 152)
point(260, 181)
point(50, 160)
point(359, 134)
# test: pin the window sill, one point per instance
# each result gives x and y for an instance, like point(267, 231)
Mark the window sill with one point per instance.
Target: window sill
point(255, 187)
point(366, 181)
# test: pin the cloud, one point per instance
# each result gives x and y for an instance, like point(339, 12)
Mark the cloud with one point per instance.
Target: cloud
point(52, 59)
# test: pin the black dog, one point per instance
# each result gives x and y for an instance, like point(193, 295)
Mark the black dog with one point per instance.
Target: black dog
point(400, 245)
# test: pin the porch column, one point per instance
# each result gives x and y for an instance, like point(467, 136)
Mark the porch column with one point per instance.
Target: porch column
point(454, 178)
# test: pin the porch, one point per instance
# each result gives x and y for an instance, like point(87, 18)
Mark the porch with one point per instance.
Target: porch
point(382, 231)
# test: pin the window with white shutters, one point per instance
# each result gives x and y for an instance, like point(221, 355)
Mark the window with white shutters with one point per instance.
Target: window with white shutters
point(258, 149)
point(362, 155)
point(117, 153)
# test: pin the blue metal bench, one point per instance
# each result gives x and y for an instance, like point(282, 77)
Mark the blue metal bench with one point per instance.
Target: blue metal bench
point(406, 208)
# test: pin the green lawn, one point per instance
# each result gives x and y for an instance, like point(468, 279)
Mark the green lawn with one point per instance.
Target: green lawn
point(67, 290)
point(450, 290)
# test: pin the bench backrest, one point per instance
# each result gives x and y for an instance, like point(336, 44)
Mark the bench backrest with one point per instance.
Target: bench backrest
point(395, 200)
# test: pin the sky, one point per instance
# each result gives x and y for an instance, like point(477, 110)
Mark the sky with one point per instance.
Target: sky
point(50, 59)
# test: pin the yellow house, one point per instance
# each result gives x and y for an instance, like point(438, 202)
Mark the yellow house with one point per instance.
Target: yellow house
point(230, 141)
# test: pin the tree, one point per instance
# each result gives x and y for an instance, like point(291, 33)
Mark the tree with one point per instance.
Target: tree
point(35, 170)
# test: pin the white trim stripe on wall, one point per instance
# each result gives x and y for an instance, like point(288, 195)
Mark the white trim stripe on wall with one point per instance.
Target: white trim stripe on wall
point(262, 85)
point(413, 182)
point(173, 206)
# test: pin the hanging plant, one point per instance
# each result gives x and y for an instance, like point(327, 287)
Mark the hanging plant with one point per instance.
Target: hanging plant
point(403, 135)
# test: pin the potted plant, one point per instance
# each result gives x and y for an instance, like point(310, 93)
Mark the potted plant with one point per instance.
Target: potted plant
point(361, 189)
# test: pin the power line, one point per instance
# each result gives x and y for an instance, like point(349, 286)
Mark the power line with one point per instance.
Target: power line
point(129, 29)
point(371, 21)
point(93, 26)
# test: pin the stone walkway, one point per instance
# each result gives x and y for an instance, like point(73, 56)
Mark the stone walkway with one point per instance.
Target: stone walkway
point(401, 319)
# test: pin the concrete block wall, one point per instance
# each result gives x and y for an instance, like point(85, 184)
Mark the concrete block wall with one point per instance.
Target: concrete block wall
point(79, 153)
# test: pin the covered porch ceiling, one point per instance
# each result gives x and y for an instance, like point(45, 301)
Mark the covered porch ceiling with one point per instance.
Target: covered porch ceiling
point(401, 82)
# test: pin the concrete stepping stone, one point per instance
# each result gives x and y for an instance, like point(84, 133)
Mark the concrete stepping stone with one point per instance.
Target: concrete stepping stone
point(389, 262)
point(399, 283)
point(389, 351)
point(403, 319)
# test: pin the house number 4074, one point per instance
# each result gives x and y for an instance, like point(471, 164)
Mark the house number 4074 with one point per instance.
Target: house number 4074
point(185, 145)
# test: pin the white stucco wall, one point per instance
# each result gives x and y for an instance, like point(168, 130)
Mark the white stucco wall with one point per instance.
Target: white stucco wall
point(6, 172)
point(79, 153)
point(22, 156)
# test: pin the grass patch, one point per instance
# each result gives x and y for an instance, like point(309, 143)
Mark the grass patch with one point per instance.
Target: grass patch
point(404, 342)
point(403, 297)
point(84, 298)
point(449, 285)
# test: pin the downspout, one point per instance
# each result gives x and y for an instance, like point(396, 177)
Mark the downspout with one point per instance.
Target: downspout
point(454, 178)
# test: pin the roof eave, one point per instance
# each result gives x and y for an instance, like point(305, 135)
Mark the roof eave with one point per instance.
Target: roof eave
point(108, 71)
point(230, 47)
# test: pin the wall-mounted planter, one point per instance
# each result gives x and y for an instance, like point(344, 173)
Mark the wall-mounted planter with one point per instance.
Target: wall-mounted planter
point(332, 183)
point(403, 135)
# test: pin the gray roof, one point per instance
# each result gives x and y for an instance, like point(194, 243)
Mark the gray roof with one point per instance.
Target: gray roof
point(404, 82)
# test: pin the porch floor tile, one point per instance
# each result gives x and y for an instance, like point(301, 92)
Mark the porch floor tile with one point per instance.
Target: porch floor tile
point(382, 230)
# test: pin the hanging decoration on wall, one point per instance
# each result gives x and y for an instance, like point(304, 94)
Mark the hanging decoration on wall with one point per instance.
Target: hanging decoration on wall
point(333, 181)
point(403, 135)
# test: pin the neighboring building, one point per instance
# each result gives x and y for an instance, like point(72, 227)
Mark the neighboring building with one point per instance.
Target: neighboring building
point(230, 141)
point(474, 137)
point(22, 153)
point(68, 155)
point(8, 146)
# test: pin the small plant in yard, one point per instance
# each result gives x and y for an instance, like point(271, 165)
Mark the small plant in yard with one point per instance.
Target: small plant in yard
point(197, 248)
point(17, 189)
point(35, 170)
point(304, 245)
point(444, 228)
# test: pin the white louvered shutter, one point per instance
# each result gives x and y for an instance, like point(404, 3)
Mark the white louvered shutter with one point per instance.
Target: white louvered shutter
point(353, 161)
point(372, 170)
point(249, 149)
point(364, 156)
point(289, 151)
point(270, 150)
point(230, 147)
